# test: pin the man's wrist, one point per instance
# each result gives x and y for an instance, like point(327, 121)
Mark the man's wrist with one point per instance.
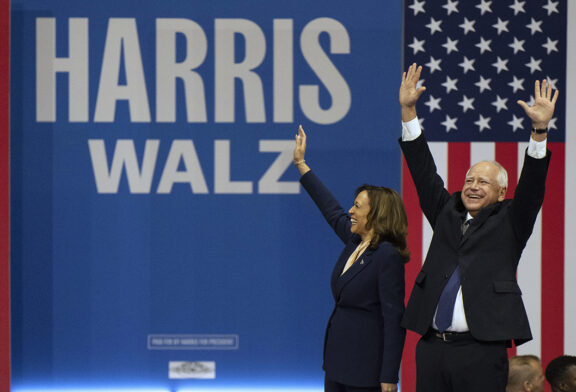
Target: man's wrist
point(411, 130)
point(540, 125)
point(538, 137)
point(408, 113)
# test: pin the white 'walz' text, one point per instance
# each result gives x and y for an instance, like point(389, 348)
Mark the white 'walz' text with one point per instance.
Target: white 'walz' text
point(122, 55)
point(182, 166)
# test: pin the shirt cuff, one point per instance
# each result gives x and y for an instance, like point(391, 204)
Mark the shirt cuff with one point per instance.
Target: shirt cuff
point(411, 130)
point(537, 149)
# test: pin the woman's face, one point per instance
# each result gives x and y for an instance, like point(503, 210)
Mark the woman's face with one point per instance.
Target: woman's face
point(359, 214)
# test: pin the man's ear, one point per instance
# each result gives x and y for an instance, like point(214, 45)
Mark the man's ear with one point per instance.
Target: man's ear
point(502, 193)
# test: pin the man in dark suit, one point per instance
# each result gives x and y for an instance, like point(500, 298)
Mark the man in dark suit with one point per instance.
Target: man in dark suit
point(466, 302)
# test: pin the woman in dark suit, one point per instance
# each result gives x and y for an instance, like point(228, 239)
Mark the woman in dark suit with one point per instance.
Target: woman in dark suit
point(364, 341)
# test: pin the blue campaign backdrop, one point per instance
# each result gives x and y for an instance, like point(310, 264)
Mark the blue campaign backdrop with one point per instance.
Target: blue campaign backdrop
point(159, 237)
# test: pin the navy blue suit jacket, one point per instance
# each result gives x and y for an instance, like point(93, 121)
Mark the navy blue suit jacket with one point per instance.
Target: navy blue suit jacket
point(364, 341)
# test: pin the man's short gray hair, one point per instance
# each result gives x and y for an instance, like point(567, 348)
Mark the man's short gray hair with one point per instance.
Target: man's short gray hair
point(502, 176)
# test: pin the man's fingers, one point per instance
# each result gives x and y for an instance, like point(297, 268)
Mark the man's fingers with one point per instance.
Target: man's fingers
point(545, 89)
point(418, 72)
point(524, 105)
point(411, 71)
point(420, 91)
point(555, 97)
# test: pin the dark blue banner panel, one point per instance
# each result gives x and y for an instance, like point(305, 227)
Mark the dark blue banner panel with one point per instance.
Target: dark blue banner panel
point(160, 239)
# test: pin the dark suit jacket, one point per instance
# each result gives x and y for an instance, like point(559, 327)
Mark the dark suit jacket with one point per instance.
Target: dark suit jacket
point(364, 341)
point(487, 254)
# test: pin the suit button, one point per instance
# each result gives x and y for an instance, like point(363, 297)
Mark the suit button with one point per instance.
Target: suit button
point(446, 276)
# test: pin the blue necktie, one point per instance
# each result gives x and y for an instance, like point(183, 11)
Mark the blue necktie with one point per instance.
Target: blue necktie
point(446, 303)
point(448, 297)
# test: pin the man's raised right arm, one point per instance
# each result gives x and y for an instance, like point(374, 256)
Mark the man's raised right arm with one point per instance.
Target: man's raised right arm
point(408, 96)
point(429, 184)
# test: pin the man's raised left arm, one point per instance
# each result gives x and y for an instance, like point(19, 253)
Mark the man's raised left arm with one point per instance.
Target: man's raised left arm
point(529, 194)
point(540, 113)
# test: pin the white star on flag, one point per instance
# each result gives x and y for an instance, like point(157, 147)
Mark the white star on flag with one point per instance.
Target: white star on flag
point(467, 64)
point(483, 84)
point(484, 45)
point(466, 103)
point(551, 46)
point(517, 45)
point(450, 45)
point(500, 103)
point(417, 46)
point(417, 6)
point(518, 7)
point(450, 84)
point(500, 65)
point(534, 65)
point(434, 26)
point(449, 123)
point(468, 26)
point(516, 123)
point(451, 6)
point(501, 26)
point(551, 7)
point(534, 26)
point(484, 7)
point(483, 123)
point(433, 103)
point(516, 84)
point(434, 64)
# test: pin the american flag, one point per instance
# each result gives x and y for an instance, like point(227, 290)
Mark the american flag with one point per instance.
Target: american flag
point(479, 57)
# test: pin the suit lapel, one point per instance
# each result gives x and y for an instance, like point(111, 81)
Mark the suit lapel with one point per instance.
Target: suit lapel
point(363, 261)
point(480, 219)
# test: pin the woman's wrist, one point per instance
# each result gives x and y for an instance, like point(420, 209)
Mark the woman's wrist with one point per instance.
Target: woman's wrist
point(301, 166)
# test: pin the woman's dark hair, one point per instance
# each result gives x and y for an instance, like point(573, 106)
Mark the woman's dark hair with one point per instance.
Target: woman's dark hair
point(387, 218)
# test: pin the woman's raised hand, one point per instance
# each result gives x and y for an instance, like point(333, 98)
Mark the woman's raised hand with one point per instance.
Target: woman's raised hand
point(300, 151)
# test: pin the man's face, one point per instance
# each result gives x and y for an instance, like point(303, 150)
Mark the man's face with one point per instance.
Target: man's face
point(481, 187)
point(571, 379)
point(537, 381)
